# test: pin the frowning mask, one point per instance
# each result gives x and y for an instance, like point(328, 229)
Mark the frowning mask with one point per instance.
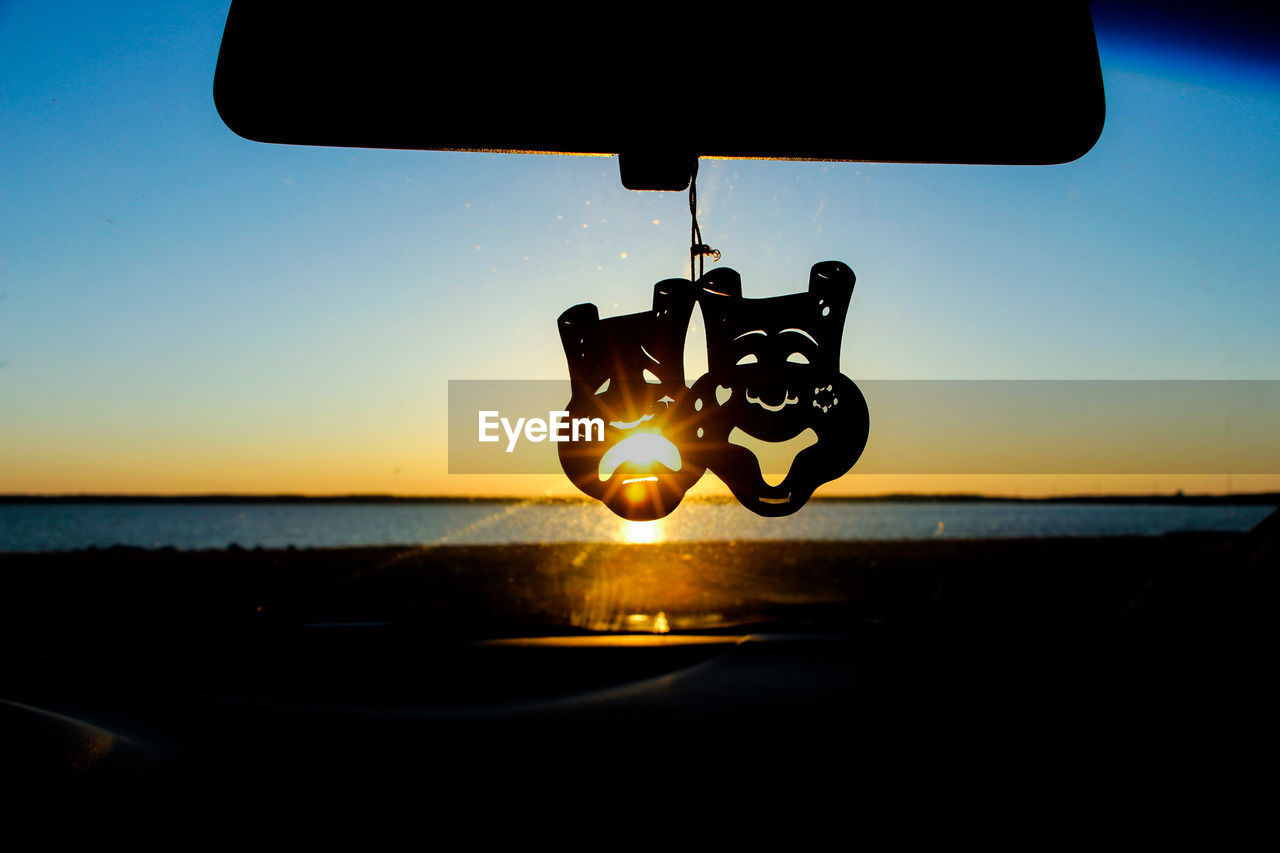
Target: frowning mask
point(629, 372)
point(773, 397)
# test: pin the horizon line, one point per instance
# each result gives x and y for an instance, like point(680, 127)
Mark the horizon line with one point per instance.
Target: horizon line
point(888, 497)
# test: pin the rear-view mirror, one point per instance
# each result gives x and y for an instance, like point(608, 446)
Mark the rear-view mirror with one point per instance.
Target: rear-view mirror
point(664, 84)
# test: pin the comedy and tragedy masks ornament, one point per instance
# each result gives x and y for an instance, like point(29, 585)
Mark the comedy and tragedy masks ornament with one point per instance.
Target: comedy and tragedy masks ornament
point(773, 397)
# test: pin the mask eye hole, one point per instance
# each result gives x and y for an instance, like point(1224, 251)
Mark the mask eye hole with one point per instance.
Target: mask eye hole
point(651, 377)
point(749, 358)
point(797, 358)
point(604, 386)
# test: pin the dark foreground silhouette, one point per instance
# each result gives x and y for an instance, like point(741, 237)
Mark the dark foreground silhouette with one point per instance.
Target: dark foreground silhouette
point(1126, 664)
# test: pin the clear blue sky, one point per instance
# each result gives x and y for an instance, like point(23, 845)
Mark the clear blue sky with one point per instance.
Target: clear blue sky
point(183, 310)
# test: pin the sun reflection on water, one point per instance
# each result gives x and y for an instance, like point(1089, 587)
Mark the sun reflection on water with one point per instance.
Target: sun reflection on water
point(640, 532)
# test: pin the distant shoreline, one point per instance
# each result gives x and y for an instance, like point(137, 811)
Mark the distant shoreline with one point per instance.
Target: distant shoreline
point(1242, 499)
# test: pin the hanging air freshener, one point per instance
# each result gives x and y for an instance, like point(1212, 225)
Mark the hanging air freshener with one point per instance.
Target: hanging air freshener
point(774, 385)
point(628, 371)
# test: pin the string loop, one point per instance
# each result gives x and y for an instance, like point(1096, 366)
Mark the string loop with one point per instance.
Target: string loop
point(697, 249)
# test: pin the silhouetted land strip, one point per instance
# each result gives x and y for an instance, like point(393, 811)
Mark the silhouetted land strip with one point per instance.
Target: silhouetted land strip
point(447, 591)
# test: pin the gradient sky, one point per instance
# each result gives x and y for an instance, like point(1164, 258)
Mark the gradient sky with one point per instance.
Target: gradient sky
point(185, 311)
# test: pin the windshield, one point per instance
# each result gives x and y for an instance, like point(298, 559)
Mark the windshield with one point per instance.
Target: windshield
point(185, 313)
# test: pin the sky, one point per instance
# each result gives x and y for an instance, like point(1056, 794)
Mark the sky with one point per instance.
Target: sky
point(185, 311)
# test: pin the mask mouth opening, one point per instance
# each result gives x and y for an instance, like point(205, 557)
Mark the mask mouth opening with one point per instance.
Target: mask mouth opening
point(644, 455)
point(774, 456)
point(787, 400)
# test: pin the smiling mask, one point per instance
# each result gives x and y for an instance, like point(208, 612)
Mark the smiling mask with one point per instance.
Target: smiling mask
point(773, 393)
point(629, 372)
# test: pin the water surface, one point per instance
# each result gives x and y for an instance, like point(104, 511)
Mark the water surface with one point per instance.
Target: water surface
point(65, 526)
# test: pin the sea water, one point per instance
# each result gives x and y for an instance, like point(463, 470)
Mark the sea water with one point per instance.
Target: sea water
point(189, 526)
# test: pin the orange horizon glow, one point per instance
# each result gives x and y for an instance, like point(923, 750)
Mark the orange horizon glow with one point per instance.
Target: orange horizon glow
point(556, 487)
point(401, 469)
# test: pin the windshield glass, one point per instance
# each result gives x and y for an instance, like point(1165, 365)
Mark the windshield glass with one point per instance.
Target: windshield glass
point(187, 313)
